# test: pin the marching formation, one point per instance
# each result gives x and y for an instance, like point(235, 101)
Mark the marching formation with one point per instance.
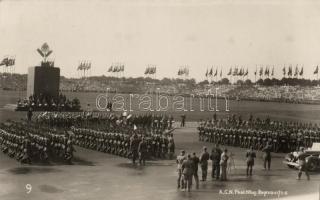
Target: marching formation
point(143, 145)
point(29, 143)
point(110, 121)
point(257, 133)
point(52, 135)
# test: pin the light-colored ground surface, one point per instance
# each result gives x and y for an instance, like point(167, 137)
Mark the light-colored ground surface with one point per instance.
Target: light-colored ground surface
point(96, 175)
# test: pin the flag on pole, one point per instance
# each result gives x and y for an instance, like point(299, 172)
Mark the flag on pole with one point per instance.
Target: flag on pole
point(290, 71)
point(211, 72)
point(284, 71)
point(261, 71)
point(146, 71)
point(296, 71)
point(316, 71)
point(230, 72)
point(247, 72)
point(301, 71)
point(235, 71)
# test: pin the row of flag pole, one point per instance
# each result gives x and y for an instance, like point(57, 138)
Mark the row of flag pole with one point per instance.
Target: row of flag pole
point(8, 62)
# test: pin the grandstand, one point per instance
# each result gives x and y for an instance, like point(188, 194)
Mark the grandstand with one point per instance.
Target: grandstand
point(295, 91)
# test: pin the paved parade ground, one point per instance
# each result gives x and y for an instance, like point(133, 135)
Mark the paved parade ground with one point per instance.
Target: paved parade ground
point(96, 175)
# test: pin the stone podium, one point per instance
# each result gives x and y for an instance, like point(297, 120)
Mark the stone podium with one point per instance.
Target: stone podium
point(44, 79)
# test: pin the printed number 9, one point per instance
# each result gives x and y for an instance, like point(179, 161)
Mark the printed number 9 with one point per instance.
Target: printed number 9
point(29, 188)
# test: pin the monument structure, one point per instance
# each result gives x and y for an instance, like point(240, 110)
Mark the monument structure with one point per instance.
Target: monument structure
point(44, 79)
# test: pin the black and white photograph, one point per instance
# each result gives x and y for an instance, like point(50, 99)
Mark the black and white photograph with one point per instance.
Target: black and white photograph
point(159, 99)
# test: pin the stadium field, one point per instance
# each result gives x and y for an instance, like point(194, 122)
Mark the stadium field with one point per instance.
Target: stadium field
point(195, 108)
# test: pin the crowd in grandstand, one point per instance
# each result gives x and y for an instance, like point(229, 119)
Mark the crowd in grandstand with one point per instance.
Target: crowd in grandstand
point(283, 136)
point(48, 103)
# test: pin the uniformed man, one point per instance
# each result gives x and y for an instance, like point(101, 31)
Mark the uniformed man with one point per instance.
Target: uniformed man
point(188, 170)
point(204, 163)
point(267, 156)
point(180, 159)
point(223, 165)
point(250, 156)
point(196, 161)
point(215, 157)
point(142, 151)
point(134, 146)
point(183, 120)
point(29, 114)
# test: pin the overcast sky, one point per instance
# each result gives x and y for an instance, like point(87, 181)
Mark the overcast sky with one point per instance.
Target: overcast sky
point(200, 34)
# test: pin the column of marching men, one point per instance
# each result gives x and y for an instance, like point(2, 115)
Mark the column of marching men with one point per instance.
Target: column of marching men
point(52, 134)
point(118, 134)
point(282, 136)
point(28, 143)
point(121, 144)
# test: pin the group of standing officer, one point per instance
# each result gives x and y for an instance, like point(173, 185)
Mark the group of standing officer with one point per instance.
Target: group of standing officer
point(187, 167)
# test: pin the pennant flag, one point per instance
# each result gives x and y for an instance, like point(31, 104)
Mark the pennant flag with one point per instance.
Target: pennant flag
point(261, 71)
point(284, 71)
point(290, 71)
point(266, 72)
point(211, 72)
point(110, 69)
point(301, 72)
point(247, 72)
point(230, 72)
point(316, 71)
point(146, 71)
point(235, 71)
point(4, 61)
point(240, 72)
point(296, 71)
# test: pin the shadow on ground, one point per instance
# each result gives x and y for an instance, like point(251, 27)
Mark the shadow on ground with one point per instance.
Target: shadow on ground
point(32, 170)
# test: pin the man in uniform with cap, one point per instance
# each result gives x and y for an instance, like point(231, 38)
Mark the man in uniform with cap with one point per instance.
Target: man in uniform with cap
point(267, 156)
point(215, 157)
point(134, 146)
point(142, 149)
point(204, 163)
point(188, 170)
point(196, 161)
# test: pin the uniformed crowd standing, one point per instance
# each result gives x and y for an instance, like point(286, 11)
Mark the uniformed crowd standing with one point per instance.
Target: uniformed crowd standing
point(28, 143)
point(280, 136)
